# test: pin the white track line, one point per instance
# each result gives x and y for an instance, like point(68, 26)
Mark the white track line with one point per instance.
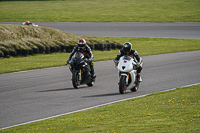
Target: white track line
point(91, 107)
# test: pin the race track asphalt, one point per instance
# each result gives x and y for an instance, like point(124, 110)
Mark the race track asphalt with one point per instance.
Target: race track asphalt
point(37, 94)
point(126, 29)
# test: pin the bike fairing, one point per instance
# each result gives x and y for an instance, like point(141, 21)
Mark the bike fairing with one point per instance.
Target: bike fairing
point(127, 74)
point(133, 54)
point(86, 51)
point(80, 70)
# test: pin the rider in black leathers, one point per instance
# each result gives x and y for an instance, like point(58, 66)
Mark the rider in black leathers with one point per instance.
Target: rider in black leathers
point(127, 50)
point(86, 51)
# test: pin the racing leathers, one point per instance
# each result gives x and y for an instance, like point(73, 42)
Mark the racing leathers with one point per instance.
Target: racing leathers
point(86, 51)
point(133, 54)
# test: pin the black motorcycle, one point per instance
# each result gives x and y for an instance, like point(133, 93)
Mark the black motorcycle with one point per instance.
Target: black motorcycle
point(80, 71)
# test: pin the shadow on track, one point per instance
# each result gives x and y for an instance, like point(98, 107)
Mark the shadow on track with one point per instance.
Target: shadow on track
point(64, 89)
point(105, 95)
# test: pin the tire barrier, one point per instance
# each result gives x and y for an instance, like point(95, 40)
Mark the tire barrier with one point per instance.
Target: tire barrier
point(91, 46)
point(105, 46)
point(61, 48)
point(96, 46)
point(109, 47)
point(58, 49)
point(68, 50)
point(47, 50)
point(19, 51)
point(119, 46)
point(101, 47)
point(113, 45)
point(13, 53)
point(30, 51)
point(72, 47)
point(42, 49)
point(25, 52)
point(6, 54)
point(1, 54)
point(53, 49)
point(35, 50)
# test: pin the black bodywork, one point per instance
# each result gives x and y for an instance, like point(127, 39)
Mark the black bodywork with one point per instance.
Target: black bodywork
point(79, 65)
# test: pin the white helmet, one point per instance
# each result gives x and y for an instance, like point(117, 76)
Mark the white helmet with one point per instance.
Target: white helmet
point(81, 43)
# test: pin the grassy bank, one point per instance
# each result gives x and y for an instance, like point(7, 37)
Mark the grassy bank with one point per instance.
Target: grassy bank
point(15, 37)
point(101, 11)
point(145, 46)
point(173, 111)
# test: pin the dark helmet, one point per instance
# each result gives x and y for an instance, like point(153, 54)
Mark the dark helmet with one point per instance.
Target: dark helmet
point(127, 47)
point(81, 43)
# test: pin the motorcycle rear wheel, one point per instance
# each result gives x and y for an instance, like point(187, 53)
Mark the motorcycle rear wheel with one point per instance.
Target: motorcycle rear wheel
point(122, 84)
point(75, 79)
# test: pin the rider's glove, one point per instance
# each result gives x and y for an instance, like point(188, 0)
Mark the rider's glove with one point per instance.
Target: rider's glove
point(86, 60)
point(137, 65)
point(68, 61)
point(90, 60)
point(116, 62)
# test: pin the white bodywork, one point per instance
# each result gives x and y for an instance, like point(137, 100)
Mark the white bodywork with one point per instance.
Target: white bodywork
point(125, 67)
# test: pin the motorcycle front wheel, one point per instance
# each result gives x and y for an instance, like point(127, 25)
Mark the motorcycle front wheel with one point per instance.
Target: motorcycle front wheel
point(122, 84)
point(75, 79)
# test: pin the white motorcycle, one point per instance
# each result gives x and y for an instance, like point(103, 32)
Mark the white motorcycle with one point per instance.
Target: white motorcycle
point(127, 68)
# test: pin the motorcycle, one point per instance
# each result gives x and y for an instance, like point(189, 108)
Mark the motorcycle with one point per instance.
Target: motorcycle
point(33, 24)
point(80, 70)
point(127, 69)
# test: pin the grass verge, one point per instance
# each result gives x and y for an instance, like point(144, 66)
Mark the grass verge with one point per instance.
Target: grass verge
point(173, 111)
point(100, 11)
point(145, 46)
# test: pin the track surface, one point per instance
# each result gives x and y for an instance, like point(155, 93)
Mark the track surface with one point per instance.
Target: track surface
point(126, 29)
point(31, 95)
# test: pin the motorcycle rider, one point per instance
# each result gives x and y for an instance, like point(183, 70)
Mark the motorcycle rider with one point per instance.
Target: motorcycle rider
point(28, 23)
point(127, 50)
point(86, 51)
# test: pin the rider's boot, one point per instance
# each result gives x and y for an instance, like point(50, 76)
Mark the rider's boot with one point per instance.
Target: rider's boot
point(139, 79)
point(93, 74)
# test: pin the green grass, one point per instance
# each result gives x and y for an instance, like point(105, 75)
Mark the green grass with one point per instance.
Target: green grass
point(101, 11)
point(144, 46)
point(176, 111)
point(153, 46)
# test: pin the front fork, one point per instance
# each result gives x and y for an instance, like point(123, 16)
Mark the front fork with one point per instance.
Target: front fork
point(73, 69)
point(80, 74)
point(125, 74)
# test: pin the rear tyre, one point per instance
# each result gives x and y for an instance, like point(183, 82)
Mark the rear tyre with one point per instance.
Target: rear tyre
point(75, 79)
point(122, 84)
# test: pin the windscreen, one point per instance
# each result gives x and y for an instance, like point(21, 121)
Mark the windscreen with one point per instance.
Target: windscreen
point(127, 57)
